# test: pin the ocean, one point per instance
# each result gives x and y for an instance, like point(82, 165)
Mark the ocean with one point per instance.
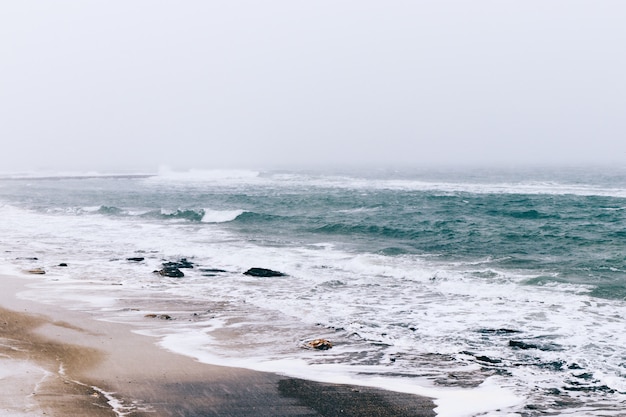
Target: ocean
point(498, 292)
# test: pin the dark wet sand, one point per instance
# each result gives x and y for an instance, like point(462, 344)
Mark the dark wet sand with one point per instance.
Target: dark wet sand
point(86, 359)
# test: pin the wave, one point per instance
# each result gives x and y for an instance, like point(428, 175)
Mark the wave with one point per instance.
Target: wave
point(249, 217)
point(221, 216)
point(192, 215)
point(71, 175)
point(214, 175)
point(559, 184)
point(528, 188)
point(107, 211)
point(364, 230)
point(179, 214)
point(531, 214)
point(497, 184)
point(199, 215)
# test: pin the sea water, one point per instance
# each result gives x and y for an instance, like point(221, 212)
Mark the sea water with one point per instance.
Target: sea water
point(498, 293)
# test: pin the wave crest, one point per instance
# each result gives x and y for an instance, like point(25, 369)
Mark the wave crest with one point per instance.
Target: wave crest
point(195, 175)
point(220, 216)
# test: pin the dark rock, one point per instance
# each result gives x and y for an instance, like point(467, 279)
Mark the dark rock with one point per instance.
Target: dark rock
point(28, 259)
point(171, 272)
point(62, 264)
point(552, 366)
point(488, 359)
point(547, 347)
point(498, 331)
point(212, 270)
point(262, 272)
point(522, 345)
point(138, 259)
point(159, 316)
point(181, 264)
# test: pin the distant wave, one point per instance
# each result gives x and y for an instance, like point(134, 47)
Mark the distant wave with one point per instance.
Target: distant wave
point(69, 175)
point(110, 211)
point(530, 187)
point(194, 175)
point(480, 188)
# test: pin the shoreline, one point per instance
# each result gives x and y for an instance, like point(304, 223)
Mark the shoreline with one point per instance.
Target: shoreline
point(64, 362)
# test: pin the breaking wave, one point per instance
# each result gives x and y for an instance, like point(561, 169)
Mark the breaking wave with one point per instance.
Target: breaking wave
point(192, 215)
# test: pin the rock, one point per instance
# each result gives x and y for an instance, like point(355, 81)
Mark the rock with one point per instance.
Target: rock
point(487, 359)
point(320, 344)
point(63, 264)
point(211, 272)
point(522, 345)
point(546, 347)
point(171, 272)
point(262, 272)
point(138, 259)
point(499, 332)
point(36, 271)
point(159, 316)
point(181, 264)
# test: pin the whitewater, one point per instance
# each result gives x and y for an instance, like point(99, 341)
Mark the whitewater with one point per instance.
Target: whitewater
point(498, 293)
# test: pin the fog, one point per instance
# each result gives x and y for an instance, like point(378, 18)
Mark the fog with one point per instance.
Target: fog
point(134, 85)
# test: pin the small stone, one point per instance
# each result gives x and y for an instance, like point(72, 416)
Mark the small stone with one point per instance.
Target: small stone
point(36, 271)
point(159, 316)
point(320, 344)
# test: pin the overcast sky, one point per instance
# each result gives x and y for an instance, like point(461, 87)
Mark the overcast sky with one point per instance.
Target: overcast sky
point(136, 84)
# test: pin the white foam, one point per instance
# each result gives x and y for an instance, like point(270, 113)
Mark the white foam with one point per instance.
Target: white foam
point(445, 186)
point(220, 216)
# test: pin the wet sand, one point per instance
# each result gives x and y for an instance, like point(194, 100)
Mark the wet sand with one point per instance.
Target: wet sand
point(56, 362)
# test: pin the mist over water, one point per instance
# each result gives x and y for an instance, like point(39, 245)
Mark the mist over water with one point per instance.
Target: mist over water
point(509, 284)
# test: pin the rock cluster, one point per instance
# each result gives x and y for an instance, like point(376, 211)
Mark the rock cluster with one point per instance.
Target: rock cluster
point(173, 269)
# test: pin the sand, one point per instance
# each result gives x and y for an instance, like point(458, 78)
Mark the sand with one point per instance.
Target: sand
point(58, 362)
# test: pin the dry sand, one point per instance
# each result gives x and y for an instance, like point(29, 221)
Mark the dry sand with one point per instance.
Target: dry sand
point(56, 362)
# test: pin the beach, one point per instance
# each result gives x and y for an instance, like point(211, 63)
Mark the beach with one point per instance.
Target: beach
point(57, 362)
point(489, 293)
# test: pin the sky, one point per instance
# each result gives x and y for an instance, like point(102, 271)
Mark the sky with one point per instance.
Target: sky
point(135, 85)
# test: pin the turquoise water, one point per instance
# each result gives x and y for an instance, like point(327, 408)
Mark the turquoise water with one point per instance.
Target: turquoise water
point(519, 275)
point(560, 231)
